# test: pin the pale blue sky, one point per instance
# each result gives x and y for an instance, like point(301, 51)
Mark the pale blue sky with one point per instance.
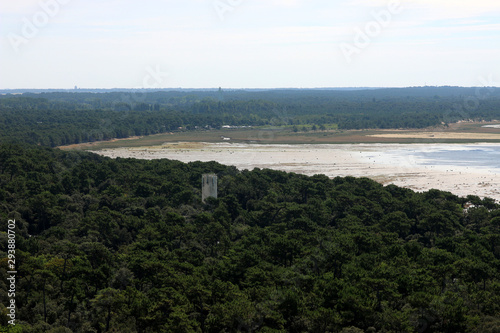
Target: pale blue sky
point(248, 43)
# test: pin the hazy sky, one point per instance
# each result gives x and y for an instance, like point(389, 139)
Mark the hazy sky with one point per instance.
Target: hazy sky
point(248, 43)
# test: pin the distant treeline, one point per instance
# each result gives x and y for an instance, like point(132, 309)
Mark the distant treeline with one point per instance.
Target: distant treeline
point(61, 118)
point(124, 245)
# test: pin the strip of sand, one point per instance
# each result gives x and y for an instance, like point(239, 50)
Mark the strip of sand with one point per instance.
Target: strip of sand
point(397, 164)
point(439, 135)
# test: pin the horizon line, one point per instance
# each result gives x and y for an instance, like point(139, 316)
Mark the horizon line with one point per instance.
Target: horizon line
point(76, 89)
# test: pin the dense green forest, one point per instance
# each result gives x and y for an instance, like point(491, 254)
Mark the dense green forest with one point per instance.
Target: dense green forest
point(126, 245)
point(61, 118)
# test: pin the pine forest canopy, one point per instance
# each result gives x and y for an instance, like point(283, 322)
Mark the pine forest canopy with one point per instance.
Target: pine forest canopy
point(61, 118)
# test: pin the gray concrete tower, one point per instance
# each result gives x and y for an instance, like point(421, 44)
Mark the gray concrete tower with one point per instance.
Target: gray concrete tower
point(209, 186)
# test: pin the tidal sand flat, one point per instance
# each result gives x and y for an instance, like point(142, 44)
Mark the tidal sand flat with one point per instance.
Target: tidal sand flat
point(457, 168)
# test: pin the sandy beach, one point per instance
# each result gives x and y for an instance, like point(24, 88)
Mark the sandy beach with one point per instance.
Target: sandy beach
point(439, 135)
point(399, 164)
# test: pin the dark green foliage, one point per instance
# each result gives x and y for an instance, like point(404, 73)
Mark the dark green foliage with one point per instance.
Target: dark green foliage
point(127, 246)
point(54, 119)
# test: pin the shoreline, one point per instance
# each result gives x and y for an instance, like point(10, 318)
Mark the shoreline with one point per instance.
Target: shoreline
point(397, 164)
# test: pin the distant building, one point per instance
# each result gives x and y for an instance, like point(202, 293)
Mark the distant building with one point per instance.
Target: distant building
point(209, 186)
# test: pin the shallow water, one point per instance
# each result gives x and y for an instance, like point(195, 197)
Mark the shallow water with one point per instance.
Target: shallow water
point(474, 156)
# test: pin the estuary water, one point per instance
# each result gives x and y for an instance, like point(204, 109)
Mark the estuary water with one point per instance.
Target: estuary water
point(472, 156)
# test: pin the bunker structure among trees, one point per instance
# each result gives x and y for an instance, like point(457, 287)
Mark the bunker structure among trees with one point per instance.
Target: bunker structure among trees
point(209, 186)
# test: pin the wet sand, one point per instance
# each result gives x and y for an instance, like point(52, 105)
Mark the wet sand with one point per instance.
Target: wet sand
point(397, 164)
